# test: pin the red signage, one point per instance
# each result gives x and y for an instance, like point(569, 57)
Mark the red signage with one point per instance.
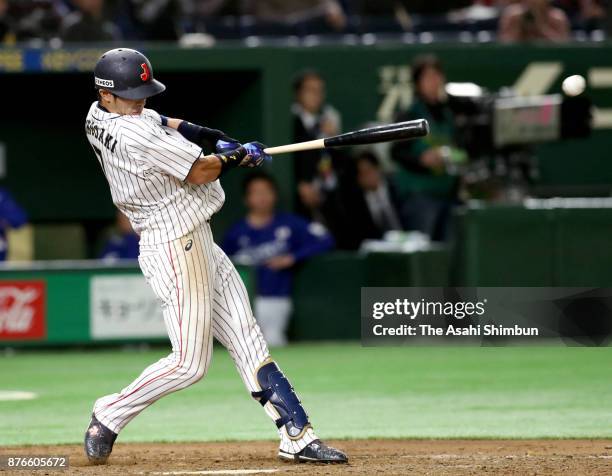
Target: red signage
point(23, 310)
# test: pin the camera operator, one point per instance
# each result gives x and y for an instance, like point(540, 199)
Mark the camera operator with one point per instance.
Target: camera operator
point(531, 20)
point(427, 190)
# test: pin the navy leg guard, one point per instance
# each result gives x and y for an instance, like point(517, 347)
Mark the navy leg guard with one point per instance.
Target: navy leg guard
point(276, 389)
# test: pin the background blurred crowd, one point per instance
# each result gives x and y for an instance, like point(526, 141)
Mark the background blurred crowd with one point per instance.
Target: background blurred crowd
point(172, 20)
point(355, 194)
point(360, 196)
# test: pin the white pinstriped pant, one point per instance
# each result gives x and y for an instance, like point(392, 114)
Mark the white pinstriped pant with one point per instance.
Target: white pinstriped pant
point(202, 296)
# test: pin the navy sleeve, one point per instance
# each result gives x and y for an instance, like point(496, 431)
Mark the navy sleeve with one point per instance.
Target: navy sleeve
point(309, 239)
point(10, 211)
point(109, 251)
point(230, 241)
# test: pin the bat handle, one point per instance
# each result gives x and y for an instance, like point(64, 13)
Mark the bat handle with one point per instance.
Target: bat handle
point(284, 149)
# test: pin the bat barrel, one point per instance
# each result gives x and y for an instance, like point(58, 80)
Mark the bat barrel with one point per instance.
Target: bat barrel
point(371, 135)
point(390, 132)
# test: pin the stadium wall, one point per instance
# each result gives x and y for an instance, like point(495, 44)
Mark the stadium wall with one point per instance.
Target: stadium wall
point(82, 302)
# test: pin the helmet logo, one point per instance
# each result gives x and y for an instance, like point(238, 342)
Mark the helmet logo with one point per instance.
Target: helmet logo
point(145, 72)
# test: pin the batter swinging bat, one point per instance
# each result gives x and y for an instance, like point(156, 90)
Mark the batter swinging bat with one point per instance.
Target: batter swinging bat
point(371, 135)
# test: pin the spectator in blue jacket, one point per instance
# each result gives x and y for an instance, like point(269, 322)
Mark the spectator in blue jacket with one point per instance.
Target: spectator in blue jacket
point(123, 243)
point(272, 242)
point(11, 216)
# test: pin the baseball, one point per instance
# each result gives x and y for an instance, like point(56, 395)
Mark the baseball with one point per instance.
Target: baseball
point(573, 85)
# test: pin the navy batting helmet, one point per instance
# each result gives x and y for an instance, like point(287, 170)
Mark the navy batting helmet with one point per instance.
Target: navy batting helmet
point(126, 73)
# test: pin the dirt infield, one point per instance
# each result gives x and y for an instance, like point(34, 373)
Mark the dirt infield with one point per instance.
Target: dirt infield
point(381, 457)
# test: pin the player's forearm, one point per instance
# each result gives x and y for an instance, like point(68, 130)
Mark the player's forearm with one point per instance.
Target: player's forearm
point(205, 170)
point(194, 133)
point(173, 123)
point(210, 167)
point(312, 249)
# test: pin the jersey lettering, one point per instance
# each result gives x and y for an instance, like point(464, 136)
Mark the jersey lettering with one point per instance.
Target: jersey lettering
point(100, 134)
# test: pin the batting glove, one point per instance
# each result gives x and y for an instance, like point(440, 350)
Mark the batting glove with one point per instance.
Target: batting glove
point(256, 155)
point(223, 146)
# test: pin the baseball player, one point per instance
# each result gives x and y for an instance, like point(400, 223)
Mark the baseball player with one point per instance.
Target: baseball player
point(169, 189)
point(273, 242)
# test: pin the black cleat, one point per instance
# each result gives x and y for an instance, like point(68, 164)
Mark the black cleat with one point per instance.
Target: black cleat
point(98, 441)
point(316, 452)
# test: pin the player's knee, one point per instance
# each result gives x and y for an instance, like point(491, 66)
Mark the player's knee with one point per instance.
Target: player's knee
point(196, 374)
point(248, 326)
point(192, 373)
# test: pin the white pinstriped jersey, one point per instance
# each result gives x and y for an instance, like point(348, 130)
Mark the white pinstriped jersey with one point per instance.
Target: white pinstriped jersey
point(146, 165)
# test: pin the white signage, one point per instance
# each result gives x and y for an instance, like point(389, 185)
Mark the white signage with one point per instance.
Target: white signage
point(123, 306)
point(105, 83)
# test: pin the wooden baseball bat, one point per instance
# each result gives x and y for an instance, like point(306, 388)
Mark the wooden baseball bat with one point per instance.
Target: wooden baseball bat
point(371, 135)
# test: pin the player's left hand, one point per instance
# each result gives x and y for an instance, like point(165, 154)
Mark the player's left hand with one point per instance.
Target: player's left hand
point(256, 155)
point(226, 145)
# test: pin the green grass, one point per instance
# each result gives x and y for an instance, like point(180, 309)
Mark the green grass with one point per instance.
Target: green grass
point(349, 392)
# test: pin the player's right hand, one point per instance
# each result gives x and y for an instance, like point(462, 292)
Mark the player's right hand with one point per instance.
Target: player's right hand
point(256, 155)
